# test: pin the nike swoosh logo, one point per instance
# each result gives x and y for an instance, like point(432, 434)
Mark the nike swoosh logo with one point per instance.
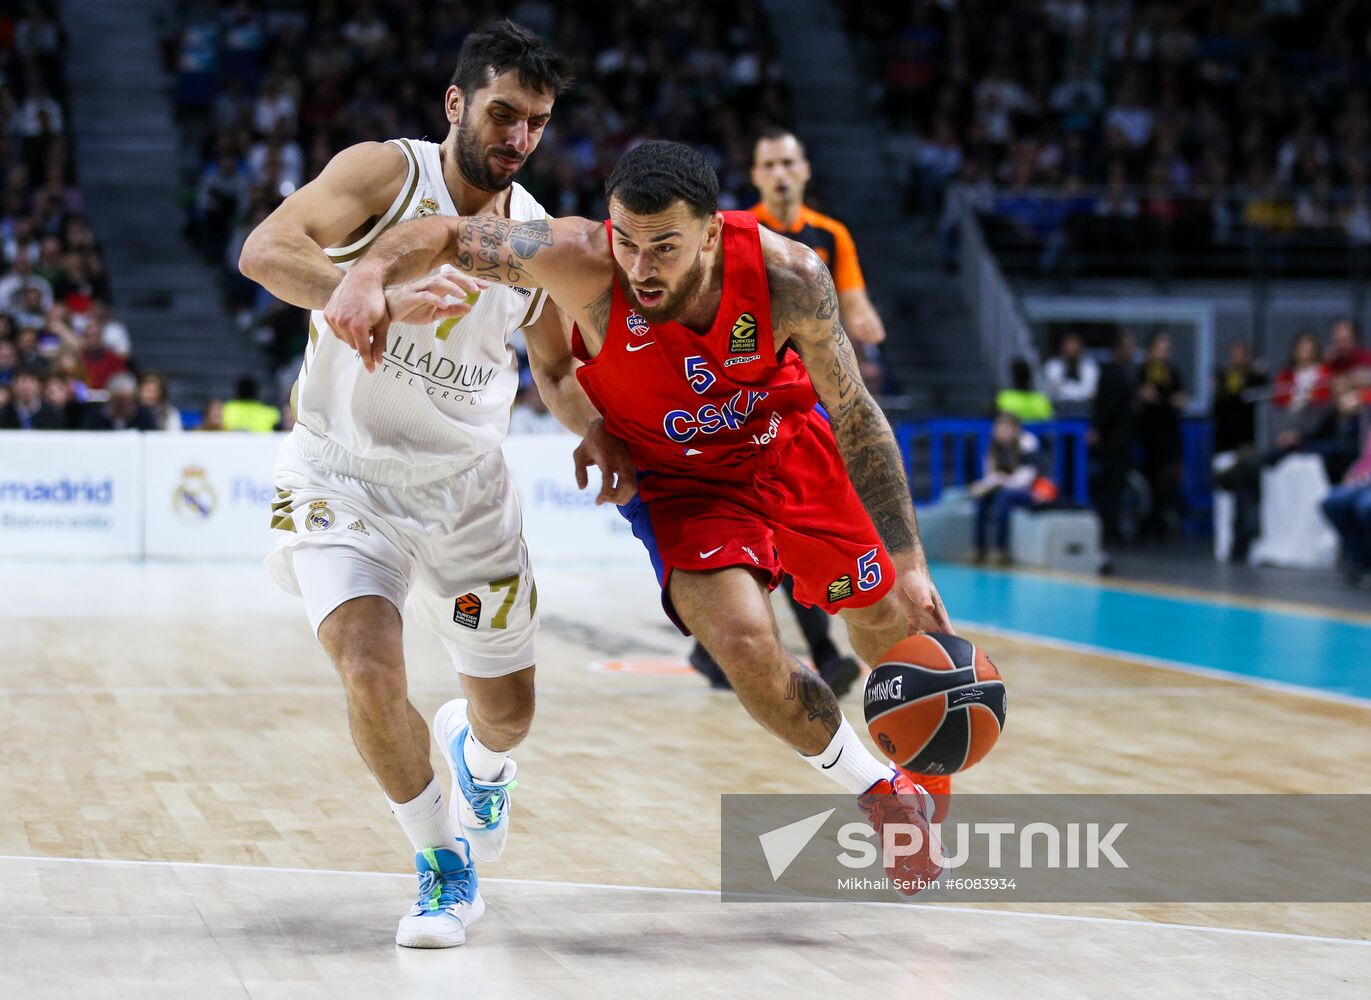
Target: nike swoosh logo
point(639, 347)
point(825, 767)
point(706, 555)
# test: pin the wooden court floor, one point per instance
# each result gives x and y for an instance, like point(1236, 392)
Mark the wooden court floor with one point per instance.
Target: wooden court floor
point(181, 718)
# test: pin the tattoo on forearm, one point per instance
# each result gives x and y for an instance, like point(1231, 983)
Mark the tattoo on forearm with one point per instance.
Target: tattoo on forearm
point(816, 697)
point(495, 249)
point(527, 238)
point(808, 302)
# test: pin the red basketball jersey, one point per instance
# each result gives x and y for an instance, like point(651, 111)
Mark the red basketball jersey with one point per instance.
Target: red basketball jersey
point(717, 405)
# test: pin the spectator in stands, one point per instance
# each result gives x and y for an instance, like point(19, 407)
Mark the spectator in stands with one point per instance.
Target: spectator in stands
point(1162, 396)
point(1234, 413)
point(1348, 509)
point(9, 362)
point(212, 419)
point(100, 363)
point(121, 411)
point(1337, 436)
point(1012, 466)
point(1071, 377)
point(1234, 409)
point(223, 193)
point(58, 397)
point(22, 277)
point(152, 396)
point(1304, 381)
point(1346, 357)
point(114, 333)
point(246, 412)
point(66, 365)
point(1021, 399)
point(26, 410)
point(30, 354)
point(30, 311)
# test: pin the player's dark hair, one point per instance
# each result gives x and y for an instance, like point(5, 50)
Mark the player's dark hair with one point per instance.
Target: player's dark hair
point(650, 177)
point(770, 134)
point(503, 46)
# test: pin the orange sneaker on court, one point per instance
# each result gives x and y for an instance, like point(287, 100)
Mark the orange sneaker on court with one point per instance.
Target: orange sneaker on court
point(899, 799)
point(937, 785)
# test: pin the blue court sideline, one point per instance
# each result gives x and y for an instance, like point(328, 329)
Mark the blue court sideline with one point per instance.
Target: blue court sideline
point(1287, 646)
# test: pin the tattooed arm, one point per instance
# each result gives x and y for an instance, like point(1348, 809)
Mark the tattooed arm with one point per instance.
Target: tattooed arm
point(568, 257)
point(804, 306)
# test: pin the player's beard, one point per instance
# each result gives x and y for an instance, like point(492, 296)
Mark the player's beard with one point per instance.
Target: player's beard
point(673, 302)
point(475, 167)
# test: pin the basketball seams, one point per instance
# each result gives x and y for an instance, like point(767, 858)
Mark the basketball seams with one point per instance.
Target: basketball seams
point(993, 714)
point(936, 671)
point(923, 746)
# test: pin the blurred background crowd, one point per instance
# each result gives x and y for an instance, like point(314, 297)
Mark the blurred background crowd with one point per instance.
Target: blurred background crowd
point(1151, 141)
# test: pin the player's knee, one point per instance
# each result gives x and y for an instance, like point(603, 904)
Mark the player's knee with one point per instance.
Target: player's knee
point(371, 680)
point(747, 651)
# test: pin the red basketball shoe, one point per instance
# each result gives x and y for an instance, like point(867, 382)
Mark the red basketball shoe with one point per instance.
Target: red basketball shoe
point(937, 785)
point(899, 799)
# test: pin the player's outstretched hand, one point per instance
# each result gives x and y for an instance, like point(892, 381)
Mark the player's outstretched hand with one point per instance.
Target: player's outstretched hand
point(920, 599)
point(604, 451)
point(445, 294)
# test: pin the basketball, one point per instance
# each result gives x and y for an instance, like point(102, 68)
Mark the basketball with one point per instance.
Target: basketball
point(935, 704)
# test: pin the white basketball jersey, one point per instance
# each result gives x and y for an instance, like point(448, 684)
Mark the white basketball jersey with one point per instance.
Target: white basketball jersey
point(442, 393)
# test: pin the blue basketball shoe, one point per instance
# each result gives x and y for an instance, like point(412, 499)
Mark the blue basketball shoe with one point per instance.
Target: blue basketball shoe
point(449, 900)
point(481, 810)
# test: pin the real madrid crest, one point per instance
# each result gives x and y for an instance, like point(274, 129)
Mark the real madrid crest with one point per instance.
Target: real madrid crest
point(194, 498)
point(319, 517)
point(427, 206)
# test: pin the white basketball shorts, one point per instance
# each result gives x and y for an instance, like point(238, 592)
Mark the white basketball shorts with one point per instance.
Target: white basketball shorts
point(452, 546)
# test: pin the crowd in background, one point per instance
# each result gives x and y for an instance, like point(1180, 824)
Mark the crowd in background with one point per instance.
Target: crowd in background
point(267, 92)
point(1118, 123)
point(1320, 404)
point(65, 359)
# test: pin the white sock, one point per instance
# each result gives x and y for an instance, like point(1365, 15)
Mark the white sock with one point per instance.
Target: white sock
point(424, 819)
point(848, 762)
point(483, 763)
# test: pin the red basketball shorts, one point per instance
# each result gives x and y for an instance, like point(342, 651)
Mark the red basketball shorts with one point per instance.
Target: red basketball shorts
point(799, 515)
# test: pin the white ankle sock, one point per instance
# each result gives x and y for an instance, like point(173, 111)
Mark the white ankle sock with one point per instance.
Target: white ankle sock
point(483, 763)
point(424, 818)
point(848, 762)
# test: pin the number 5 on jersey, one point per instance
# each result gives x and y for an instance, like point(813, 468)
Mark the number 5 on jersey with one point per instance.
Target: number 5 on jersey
point(698, 374)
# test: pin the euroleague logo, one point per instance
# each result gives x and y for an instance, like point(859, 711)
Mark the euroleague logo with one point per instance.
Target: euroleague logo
point(637, 325)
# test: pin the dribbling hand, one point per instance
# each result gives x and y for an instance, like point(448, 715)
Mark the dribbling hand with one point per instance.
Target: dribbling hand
point(918, 596)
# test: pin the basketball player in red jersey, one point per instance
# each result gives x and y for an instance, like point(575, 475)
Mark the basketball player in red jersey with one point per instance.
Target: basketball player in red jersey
point(780, 172)
point(707, 343)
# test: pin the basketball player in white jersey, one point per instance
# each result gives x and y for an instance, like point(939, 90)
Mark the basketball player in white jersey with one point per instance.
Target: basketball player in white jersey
point(392, 485)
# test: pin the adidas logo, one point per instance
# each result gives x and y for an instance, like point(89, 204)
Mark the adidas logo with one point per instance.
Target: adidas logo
point(357, 525)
